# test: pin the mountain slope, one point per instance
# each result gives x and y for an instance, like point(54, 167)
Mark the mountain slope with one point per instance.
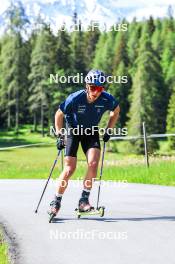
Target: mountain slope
point(109, 12)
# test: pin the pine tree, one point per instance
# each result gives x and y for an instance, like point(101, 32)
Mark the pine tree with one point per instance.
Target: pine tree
point(171, 120)
point(121, 89)
point(63, 50)
point(171, 75)
point(13, 68)
point(167, 56)
point(63, 67)
point(25, 117)
point(171, 105)
point(15, 85)
point(148, 98)
point(6, 104)
point(121, 92)
point(42, 65)
point(167, 27)
point(109, 51)
point(91, 38)
point(78, 51)
point(151, 25)
point(99, 59)
point(16, 19)
point(120, 50)
point(157, 41)
point(134, 34)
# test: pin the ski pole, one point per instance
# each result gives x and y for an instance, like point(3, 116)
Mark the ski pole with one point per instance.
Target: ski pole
point(62, 159)
point(48, 180)
point(101, 172)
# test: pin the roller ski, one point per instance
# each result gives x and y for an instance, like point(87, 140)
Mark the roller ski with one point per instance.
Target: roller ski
point(98, 211)
point(85, 209)
point(55, 206)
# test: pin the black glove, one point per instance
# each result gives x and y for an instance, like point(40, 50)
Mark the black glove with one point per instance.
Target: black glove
point(60, 142)
point(106, 137)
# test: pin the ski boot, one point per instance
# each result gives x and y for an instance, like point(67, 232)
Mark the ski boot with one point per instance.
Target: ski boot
point(55, 206)
point(85, 209)
point(84, 205)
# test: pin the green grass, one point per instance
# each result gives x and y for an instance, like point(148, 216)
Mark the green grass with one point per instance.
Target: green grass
point(35, 162)
point(3, 251)
point(24, 137)
point(160, 173)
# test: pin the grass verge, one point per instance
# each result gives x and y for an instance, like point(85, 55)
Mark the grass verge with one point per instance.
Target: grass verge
point(35, 163)
point(3, 250)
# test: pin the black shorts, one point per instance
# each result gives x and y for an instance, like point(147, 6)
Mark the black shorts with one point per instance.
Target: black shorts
point(87, 142)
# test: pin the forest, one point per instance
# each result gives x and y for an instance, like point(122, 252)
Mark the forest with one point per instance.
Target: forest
point(145, 53)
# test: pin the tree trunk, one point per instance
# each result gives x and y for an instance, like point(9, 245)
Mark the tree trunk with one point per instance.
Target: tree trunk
point(42, 119)
point(8, 114)
point(9, 118)
point(17, 113)
point(34, 122)
point(49, 119)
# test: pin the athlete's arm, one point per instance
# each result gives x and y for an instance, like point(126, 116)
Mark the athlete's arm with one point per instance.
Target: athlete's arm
point(113, 117)
point(59, 117)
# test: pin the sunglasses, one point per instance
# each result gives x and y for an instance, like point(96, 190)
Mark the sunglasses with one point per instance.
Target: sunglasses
point(94, 88)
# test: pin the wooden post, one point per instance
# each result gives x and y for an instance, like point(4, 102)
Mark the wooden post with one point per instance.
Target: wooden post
point(145, 145)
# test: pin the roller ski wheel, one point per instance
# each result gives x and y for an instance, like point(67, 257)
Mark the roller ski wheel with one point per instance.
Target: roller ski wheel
point(101, 210)
point(51, 217)
point(78, 216)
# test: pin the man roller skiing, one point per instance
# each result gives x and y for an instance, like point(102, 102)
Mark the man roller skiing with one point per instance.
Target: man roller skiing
point(83, 108)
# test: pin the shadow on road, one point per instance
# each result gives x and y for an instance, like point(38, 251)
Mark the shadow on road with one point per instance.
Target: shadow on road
point(152, 218)
point(117, 219)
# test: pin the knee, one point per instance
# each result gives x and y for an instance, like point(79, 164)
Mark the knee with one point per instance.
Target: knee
point(93, 165)
point(69, 170)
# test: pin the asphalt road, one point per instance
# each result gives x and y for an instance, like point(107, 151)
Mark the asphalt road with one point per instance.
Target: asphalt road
point(138, 226)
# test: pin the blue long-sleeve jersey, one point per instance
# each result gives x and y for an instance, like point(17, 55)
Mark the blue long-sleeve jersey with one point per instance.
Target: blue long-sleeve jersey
point(78, 111)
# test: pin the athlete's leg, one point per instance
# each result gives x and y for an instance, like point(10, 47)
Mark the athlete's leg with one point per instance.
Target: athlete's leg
point(69, 163)
point(91, 148)
point(69, 168)
point(93, 157)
